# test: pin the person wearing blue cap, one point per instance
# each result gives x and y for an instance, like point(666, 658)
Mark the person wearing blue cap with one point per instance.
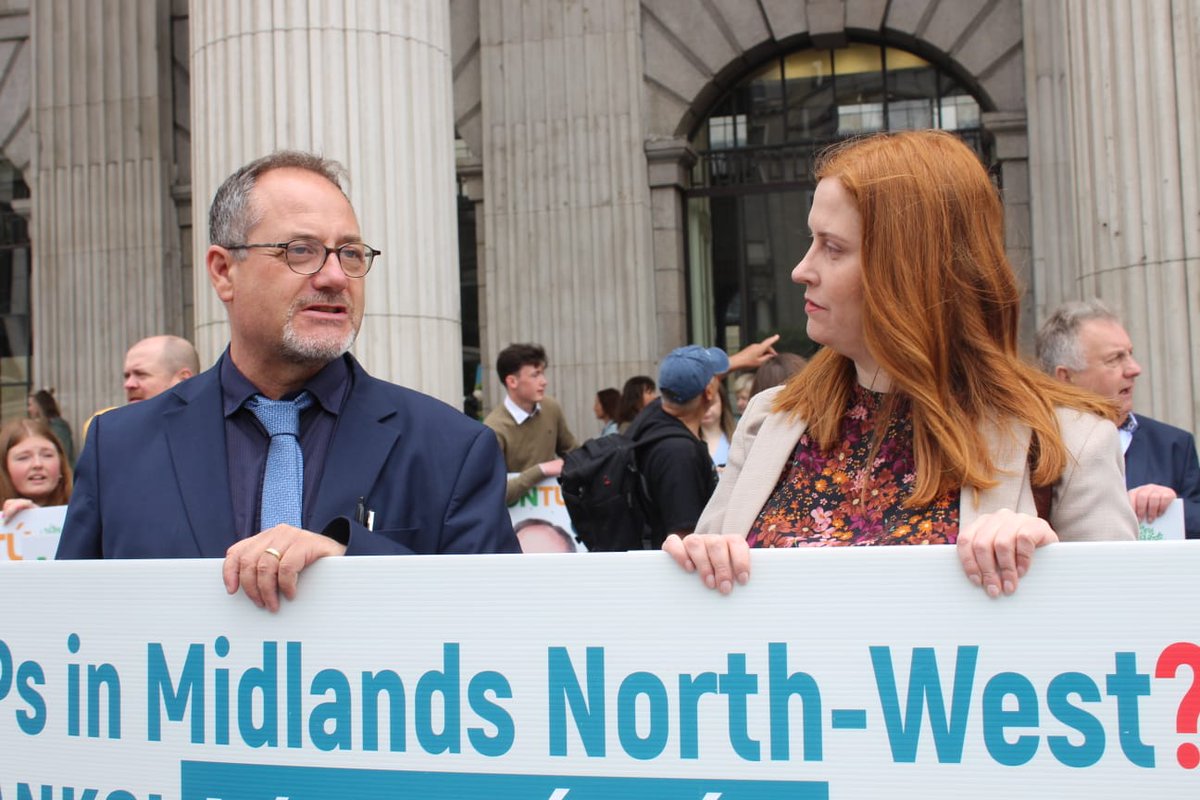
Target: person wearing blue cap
point(679, 473)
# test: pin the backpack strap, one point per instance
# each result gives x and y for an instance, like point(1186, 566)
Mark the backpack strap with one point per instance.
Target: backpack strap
point(644, 490)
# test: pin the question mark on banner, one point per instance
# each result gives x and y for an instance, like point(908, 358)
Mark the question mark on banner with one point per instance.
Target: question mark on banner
point(1169, 662)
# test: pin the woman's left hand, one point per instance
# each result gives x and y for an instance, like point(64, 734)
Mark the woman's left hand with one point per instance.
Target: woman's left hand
point(13, 505)
point(721, 559)
point(997, 549)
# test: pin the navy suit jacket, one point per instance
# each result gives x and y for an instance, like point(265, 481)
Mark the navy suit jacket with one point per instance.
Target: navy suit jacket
point(153, 478)
point(1166, 455)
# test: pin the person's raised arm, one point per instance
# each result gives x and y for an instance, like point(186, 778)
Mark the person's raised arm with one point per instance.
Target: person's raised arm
point(754, 355)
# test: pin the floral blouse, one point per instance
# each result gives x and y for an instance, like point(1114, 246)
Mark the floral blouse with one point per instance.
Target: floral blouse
point(835, 497)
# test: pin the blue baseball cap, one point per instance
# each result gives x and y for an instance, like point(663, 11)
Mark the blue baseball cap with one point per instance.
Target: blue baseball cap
point(685, 371)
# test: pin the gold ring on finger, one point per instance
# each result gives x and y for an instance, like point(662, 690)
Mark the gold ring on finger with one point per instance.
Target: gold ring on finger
point(272, 551)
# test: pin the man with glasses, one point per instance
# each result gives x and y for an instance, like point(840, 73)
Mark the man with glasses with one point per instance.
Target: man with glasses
point(286, 451)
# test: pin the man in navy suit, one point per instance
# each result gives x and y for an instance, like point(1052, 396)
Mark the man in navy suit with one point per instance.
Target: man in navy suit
point(1085, 344)
point(386, 470)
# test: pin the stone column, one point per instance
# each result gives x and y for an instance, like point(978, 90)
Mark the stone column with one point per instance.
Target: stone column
point(567, 208)
point(105, 241)
point(1114, 118)
point(669, 162)
point(1011, 138)
point(367, 84)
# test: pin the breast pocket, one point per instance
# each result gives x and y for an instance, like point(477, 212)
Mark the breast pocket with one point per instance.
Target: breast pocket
point(404, 536)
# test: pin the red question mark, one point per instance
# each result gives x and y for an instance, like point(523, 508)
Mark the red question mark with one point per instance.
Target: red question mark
point(1169, 662)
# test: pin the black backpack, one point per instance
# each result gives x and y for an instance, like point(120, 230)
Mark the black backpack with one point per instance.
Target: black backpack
point(605, 492)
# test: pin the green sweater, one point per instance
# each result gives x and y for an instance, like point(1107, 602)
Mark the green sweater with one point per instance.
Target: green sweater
point(542, 437)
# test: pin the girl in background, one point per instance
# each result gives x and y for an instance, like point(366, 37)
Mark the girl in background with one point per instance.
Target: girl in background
point(35, 471)
point(605, 409)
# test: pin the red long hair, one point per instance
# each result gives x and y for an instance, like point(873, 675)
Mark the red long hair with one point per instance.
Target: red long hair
point(940, 313)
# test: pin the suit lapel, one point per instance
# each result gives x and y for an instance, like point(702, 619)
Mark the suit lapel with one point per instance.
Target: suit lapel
point(360, 448)
point(194, 429)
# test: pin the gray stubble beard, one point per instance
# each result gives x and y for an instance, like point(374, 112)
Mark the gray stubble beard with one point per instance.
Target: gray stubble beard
point(299, 350)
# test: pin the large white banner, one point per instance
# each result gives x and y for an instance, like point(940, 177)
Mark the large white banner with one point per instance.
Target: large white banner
point(836, 673)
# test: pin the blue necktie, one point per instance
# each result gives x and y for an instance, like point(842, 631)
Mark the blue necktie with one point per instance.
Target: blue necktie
point(283, 480)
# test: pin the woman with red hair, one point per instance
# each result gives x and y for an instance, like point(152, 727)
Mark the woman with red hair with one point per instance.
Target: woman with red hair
point(918, 422)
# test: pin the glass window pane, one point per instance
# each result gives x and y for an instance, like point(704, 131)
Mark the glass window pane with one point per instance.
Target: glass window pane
point(912, 96)
point(775, 237)
point(959, 112)
point(859, 89)
point(811, 110)
point(765, 123)
point(15, 328)
point(726, 266)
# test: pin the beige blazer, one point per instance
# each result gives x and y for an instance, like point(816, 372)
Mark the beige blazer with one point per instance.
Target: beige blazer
point(1090, 503)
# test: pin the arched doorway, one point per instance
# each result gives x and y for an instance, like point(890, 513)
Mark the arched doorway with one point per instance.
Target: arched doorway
point(751, 186)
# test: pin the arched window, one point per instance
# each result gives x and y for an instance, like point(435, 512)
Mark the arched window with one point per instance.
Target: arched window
point(752, 185)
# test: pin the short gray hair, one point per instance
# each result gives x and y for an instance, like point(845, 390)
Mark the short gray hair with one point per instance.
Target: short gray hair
point(232, 215)
point(1058, 338)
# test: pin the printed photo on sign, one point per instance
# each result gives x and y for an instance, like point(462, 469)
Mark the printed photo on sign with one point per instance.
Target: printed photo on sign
point(543, 503)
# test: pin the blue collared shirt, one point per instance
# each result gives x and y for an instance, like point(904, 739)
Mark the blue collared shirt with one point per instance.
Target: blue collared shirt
point(1126, 430)
point(246, 441)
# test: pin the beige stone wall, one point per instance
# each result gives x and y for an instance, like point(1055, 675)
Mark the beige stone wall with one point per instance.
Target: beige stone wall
point(566, 199)
point(106, 250)
point(1115, 142)
point(367, 87)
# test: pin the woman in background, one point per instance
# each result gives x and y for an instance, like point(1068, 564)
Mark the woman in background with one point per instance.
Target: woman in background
point(605, 409)
point(43, 406)
point(777, 371)
point(742, 385)
point(716, 428)
point(35, 470)
point(919, 422)
point(637, 392)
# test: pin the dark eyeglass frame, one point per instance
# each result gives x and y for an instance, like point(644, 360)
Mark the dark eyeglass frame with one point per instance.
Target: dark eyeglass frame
point(370, 254)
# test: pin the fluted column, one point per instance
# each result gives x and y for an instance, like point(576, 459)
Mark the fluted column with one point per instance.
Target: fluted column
point(1114, 158)
point(367, 84)
point(106, 266)
point(567, 213)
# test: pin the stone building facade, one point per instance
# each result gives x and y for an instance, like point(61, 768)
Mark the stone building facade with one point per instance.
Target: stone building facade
point(580, 127)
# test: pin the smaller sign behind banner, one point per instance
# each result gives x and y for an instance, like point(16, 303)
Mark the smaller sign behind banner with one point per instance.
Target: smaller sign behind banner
point(32, 535)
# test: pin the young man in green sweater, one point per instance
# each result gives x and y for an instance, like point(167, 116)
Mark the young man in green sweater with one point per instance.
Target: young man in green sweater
point(530, 426)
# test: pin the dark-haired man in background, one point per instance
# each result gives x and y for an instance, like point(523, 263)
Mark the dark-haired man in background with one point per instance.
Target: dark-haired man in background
point(529, 425)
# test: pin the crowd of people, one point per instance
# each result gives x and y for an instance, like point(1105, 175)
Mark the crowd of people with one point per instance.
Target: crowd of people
point(918, 422)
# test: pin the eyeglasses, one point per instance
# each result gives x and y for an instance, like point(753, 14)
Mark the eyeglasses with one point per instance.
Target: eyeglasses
point(308, 256)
